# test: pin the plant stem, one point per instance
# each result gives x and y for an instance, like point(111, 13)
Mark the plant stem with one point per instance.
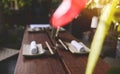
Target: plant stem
point(99, 37)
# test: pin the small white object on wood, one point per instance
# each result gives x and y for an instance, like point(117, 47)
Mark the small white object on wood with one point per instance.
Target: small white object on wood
point(33, 47)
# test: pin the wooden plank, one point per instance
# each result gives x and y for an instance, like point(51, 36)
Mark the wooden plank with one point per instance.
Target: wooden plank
point(41, 64)
point(76, 63)
point(64, 62)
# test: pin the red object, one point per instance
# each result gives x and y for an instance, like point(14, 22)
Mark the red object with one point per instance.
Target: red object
point(66, 12)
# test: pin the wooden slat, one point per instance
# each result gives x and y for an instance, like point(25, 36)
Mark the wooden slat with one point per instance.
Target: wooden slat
point(64, 62)
point(38, 65)
point(76, 63)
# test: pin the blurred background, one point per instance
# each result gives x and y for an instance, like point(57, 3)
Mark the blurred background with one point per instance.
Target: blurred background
point(16, 14)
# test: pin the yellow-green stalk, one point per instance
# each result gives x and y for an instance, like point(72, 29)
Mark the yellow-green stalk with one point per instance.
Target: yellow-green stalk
point(99, 37)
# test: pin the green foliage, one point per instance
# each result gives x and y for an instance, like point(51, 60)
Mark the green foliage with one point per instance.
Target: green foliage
point(116, 18)
point(22, 3)
point(118, 29)
point(55, 3)
point(114, 70)
point(6, 4)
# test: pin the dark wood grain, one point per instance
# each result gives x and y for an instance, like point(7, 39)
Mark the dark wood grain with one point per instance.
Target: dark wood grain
point(63, 62)
point(37, 65)
point(76, 63)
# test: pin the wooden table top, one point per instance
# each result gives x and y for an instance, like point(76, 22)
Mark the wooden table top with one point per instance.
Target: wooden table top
point(63, 62)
